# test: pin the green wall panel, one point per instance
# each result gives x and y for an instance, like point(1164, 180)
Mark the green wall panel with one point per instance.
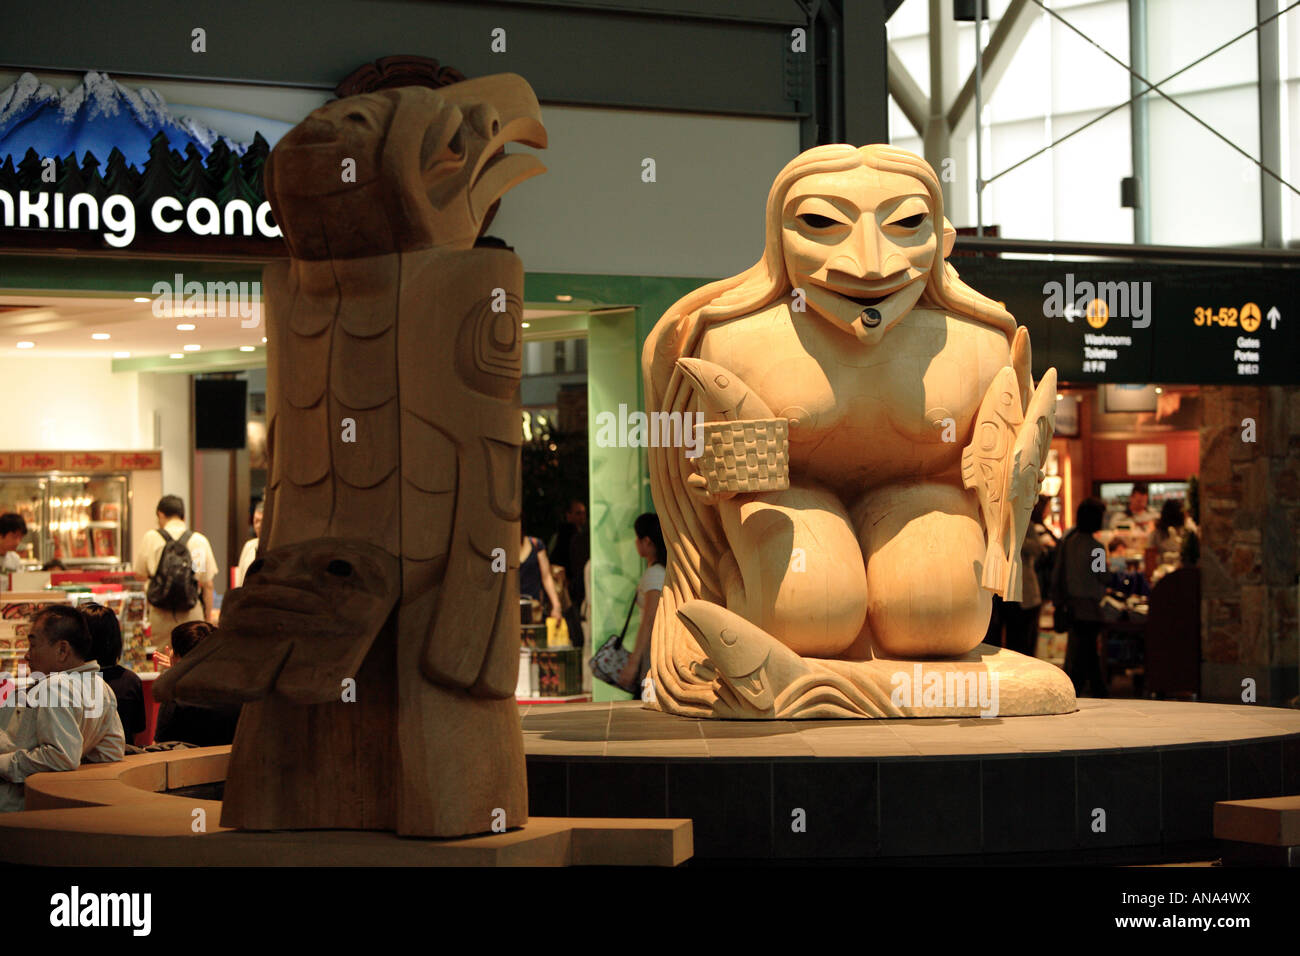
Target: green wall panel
point(619, 481)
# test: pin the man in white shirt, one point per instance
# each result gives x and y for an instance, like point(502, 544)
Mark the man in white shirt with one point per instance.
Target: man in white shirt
point(67, 716)
point(249, 554)
point(171, 519)
point(12, 531)
point(1135, 520)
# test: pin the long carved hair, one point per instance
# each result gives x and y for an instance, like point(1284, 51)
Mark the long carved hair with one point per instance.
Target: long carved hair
point(683, 680)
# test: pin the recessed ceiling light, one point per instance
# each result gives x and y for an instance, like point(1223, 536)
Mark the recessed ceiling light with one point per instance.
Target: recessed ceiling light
point(100, 336)
point(121, 355)
point(141, 298)
point(564, 298)
point(247, 348)
point(177, 355)
point(185, 327)
point(27, 345)
point(264, 340)
point(191, 348)
point(1159, 390)
point(523, 325)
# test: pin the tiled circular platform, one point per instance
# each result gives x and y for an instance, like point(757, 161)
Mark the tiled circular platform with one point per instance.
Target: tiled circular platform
point(1118, 779)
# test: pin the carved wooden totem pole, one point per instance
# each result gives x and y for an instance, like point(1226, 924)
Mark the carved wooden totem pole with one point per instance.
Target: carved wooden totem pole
point(872, 447)
point(374, 644)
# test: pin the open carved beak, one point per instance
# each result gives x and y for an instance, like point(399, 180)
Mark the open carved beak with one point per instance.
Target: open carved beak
point(506, 107)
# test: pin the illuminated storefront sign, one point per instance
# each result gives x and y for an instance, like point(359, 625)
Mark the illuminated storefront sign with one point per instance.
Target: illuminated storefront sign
point(106, 165)
point(118, 215)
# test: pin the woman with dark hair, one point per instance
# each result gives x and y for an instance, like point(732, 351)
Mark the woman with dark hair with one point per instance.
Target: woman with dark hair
point(650, 546)
point(106, 648)
point(1078, 585)
point(203, 726)
point(187, 636)
point(535, 578)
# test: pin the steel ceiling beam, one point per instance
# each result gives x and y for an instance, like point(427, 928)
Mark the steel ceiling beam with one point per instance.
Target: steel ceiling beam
point(907, 94)
point(702, 56)
point(1011, 29)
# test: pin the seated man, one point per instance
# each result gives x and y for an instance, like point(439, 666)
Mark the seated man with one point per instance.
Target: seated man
point(198, 724)
point(68, 715)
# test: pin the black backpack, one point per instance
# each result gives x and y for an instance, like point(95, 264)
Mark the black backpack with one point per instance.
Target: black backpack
point(173, 586)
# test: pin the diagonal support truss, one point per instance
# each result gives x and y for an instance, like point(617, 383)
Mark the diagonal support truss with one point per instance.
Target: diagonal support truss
point(1154, 88)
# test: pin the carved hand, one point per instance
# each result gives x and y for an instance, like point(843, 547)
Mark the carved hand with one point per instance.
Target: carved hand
point(698, 486)
point(724, 397)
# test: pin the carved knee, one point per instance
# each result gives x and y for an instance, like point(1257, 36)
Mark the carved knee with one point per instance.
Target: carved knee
point(923, 578)
point(804, 581)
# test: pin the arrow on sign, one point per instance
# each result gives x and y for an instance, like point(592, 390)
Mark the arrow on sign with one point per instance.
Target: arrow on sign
point(1273, 316)
point(1071, 313)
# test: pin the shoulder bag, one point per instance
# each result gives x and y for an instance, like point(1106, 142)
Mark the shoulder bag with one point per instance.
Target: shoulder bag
point(607, 663)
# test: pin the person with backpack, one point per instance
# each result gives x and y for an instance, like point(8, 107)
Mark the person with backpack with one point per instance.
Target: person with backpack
point(180, 568)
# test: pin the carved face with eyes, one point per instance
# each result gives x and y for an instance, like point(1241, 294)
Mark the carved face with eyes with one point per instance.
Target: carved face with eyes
point(303, 622)
point(861, 244)
point(323, 589)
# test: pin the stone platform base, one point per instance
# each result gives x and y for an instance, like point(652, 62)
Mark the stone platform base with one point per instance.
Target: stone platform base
point(1129, 781)
point(121, 815)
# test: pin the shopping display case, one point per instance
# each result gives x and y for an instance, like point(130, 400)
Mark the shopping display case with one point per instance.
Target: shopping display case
point(77, 519)
point(547, 672)
point(77, 505)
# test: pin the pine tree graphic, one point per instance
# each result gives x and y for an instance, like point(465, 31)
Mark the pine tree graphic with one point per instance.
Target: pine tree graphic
point(69, 181)
point(160, 177)
point(119, 176)
point(92, 182)
point(9, 176)
point(252, 163)
point(192, 181)
point(29, 172)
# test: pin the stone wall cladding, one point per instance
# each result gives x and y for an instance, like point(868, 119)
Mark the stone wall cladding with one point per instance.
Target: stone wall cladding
point(1250, 532)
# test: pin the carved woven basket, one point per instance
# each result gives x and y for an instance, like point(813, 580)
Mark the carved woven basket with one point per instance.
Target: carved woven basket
point(745, 456)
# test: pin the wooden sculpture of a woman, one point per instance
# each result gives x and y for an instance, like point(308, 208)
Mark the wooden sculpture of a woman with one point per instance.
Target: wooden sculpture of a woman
point(906, 439)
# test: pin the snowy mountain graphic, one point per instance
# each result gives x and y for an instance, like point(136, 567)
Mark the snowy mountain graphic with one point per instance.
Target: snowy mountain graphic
point(94, 117)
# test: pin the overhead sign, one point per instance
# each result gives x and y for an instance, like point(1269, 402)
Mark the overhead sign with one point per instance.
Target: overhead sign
point(103, 164)
point(1147, 459)
point(1172, 324)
